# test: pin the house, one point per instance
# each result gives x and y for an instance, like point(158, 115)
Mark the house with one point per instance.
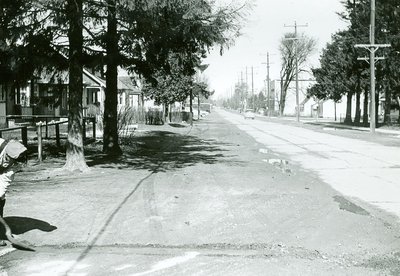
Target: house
point(128, 94)
point(308, 107)
point(48, 95)
point(93, 94)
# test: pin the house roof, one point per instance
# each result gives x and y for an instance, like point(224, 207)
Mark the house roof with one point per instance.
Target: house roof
point(62, 77)
point(125, 83)
point(90, 79)
point(306, 99)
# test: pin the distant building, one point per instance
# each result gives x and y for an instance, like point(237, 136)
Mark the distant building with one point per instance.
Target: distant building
point(311, 107)
point(290, 103)
point(128, 94)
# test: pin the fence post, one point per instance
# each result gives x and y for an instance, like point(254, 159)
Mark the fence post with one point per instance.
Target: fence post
point(84, 129)
point(94, 127)
point(39, 138)
point(58, 135)
point(47, 129)
point(24, 134)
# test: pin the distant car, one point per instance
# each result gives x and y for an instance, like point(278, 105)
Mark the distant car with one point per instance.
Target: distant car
point(203, 113)
point(249, 114)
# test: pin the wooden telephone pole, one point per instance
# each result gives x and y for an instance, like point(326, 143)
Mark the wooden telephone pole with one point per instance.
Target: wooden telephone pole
point(297, 67)
point(372, 48)
point(268, 87)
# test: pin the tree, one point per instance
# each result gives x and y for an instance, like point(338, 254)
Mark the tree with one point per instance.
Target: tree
point(387, 30)
point(388, 12)
point(237, 100)
point(32, 38)
point(340, 73)
point(19, 44)
point(169, 88)
point(141, 35)
point(292, 48)
point(75, 154)
point(110, 136)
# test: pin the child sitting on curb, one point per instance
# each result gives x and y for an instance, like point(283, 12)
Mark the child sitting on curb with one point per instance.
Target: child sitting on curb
point(10, 151)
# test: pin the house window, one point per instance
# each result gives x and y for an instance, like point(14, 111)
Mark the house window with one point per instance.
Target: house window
point(92, 95)
point(95, 96)
point(131, 100)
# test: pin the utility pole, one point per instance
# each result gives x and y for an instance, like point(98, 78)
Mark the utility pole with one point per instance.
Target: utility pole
point(268, 86)
point(247, 82)
point(297, 67)
point(252, 80)
point(372, 48)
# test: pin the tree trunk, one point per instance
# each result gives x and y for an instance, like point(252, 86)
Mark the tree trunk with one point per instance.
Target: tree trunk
point(75, 159)
point(357, 118)
point(167, 113)
point(377, 109)
point(198, 104)
point(366, 107)
point(388, 96)
point(334, 107)
point(283, 98)
point(398, 106)
point(164, 113)
point(284, 94)
point(191, 102)
point(348, 119)
point(280, 99)
point(142, 109)
point(191, 106)
point(110, 136)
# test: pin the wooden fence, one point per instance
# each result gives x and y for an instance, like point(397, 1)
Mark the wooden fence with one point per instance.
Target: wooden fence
point(41, 126)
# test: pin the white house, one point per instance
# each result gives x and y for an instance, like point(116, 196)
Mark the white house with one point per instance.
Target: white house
point(311, 107)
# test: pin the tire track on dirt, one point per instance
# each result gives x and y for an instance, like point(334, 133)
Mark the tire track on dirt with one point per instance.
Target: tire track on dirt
point(156, 227)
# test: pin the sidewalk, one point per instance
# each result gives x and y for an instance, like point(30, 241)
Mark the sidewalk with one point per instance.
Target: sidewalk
point(365, 166)
point(335, 124)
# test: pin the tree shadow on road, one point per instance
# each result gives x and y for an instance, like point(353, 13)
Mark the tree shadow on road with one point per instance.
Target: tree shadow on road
point(159, 151)
point(21, 225)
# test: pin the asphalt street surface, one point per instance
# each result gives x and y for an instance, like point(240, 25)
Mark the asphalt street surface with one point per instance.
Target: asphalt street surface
point(227, 196)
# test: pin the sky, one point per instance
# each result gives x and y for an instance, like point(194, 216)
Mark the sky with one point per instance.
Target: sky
point(262, 34)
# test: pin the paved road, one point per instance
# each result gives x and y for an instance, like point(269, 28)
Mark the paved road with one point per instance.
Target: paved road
point(198, 201)
point(356, 168)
